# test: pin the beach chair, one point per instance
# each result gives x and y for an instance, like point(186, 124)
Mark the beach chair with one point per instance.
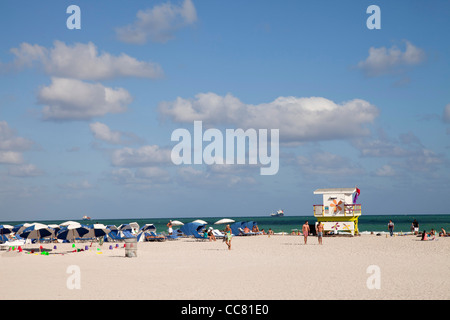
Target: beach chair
point(112, 236)
point(151, 236)
point(172, 237)
point(200, 237)
point(243, 233)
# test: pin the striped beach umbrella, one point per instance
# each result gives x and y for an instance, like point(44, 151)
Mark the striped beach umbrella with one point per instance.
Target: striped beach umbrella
point(72, 232)
point(36, 231)
point(18, 228)
point(97, 230)
point(5, 229)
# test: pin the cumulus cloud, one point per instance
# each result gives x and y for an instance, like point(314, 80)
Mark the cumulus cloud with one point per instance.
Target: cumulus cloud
point(385, 171)
point(102, 132)
point(159, 23)
point(383, 61)
point(407, 153)
point(12, 146)
point(9, 140)
point(82, 61)
point(70, 99)
point(145, 156)
point(298, 119)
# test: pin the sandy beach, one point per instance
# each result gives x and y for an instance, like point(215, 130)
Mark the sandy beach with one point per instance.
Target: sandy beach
point(257, 267)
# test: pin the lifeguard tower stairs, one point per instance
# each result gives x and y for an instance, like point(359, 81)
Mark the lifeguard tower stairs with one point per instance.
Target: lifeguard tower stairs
point(339, 213)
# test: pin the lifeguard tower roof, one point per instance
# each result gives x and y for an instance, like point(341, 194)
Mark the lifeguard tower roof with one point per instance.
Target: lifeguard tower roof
point(335, 190)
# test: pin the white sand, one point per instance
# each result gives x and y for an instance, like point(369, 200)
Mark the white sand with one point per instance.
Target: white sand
point(257, 267)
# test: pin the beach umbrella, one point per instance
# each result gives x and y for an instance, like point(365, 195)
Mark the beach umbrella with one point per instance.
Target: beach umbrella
point(200, 221)
point(224, 221)
point(148, 227)
point(176, 223)
point(97, 230)
point(72, 231)
point(5, 229)
point(36, 231)
point(18, 228)
point(67, 223)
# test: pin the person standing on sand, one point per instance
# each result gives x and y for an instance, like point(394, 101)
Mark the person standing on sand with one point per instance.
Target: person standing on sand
point(169, 225)
point(319, 230)
point(305, 230)
point(391, 227)
point(228, 236)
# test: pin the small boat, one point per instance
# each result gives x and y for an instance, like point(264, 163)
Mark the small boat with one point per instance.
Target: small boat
point(86, 218)
point(280, 213)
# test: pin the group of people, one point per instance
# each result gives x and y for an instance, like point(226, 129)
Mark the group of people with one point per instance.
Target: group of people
point(415, 230)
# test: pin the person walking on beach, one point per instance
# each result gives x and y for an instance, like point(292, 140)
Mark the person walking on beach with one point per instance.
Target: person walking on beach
point(228, 236)
point(391, 227)
point(415, 226)
point(319, 230)
point(169, 225)
point(305, 231)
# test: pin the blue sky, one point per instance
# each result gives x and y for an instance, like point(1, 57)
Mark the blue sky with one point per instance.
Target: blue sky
point(86, 116)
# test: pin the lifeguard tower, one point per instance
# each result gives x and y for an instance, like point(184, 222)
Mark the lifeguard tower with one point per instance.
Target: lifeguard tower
point(339, 211)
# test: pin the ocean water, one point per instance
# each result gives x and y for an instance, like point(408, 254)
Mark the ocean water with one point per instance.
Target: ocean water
point(367, 223)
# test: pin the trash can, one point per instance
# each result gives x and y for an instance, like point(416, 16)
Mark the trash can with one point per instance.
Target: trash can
point(131, 247)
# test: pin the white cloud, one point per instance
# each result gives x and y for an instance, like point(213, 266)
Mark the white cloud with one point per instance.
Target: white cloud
point(159, 23)
point(141, 178)
point(12, 146)
point(11, 157)
point(298, 119)
point(142, 157)
point(9, 140)
point(382, 61)
point(446, 115)
point(69, 99)
point(385, 171)
point(83, 61)
point(26, 170)
point(102, 132)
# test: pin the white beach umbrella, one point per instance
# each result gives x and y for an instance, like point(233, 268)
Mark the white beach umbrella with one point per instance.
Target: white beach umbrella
point(200, 221)
point(224, 221)
point(176, 223)
point(67, 223)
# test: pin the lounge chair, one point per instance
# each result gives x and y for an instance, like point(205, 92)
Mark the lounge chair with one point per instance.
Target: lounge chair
point(151, 236)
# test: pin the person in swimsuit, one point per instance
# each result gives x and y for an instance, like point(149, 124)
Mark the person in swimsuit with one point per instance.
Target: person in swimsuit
point(319, 232)
point(228, 236)
point(169, 225)
point(305, 230)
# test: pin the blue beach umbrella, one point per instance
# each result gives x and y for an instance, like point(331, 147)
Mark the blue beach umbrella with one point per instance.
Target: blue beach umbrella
point(18, 228)
point(5, 229)
point(97, 230)
point(36, 231)
point(72, 232)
